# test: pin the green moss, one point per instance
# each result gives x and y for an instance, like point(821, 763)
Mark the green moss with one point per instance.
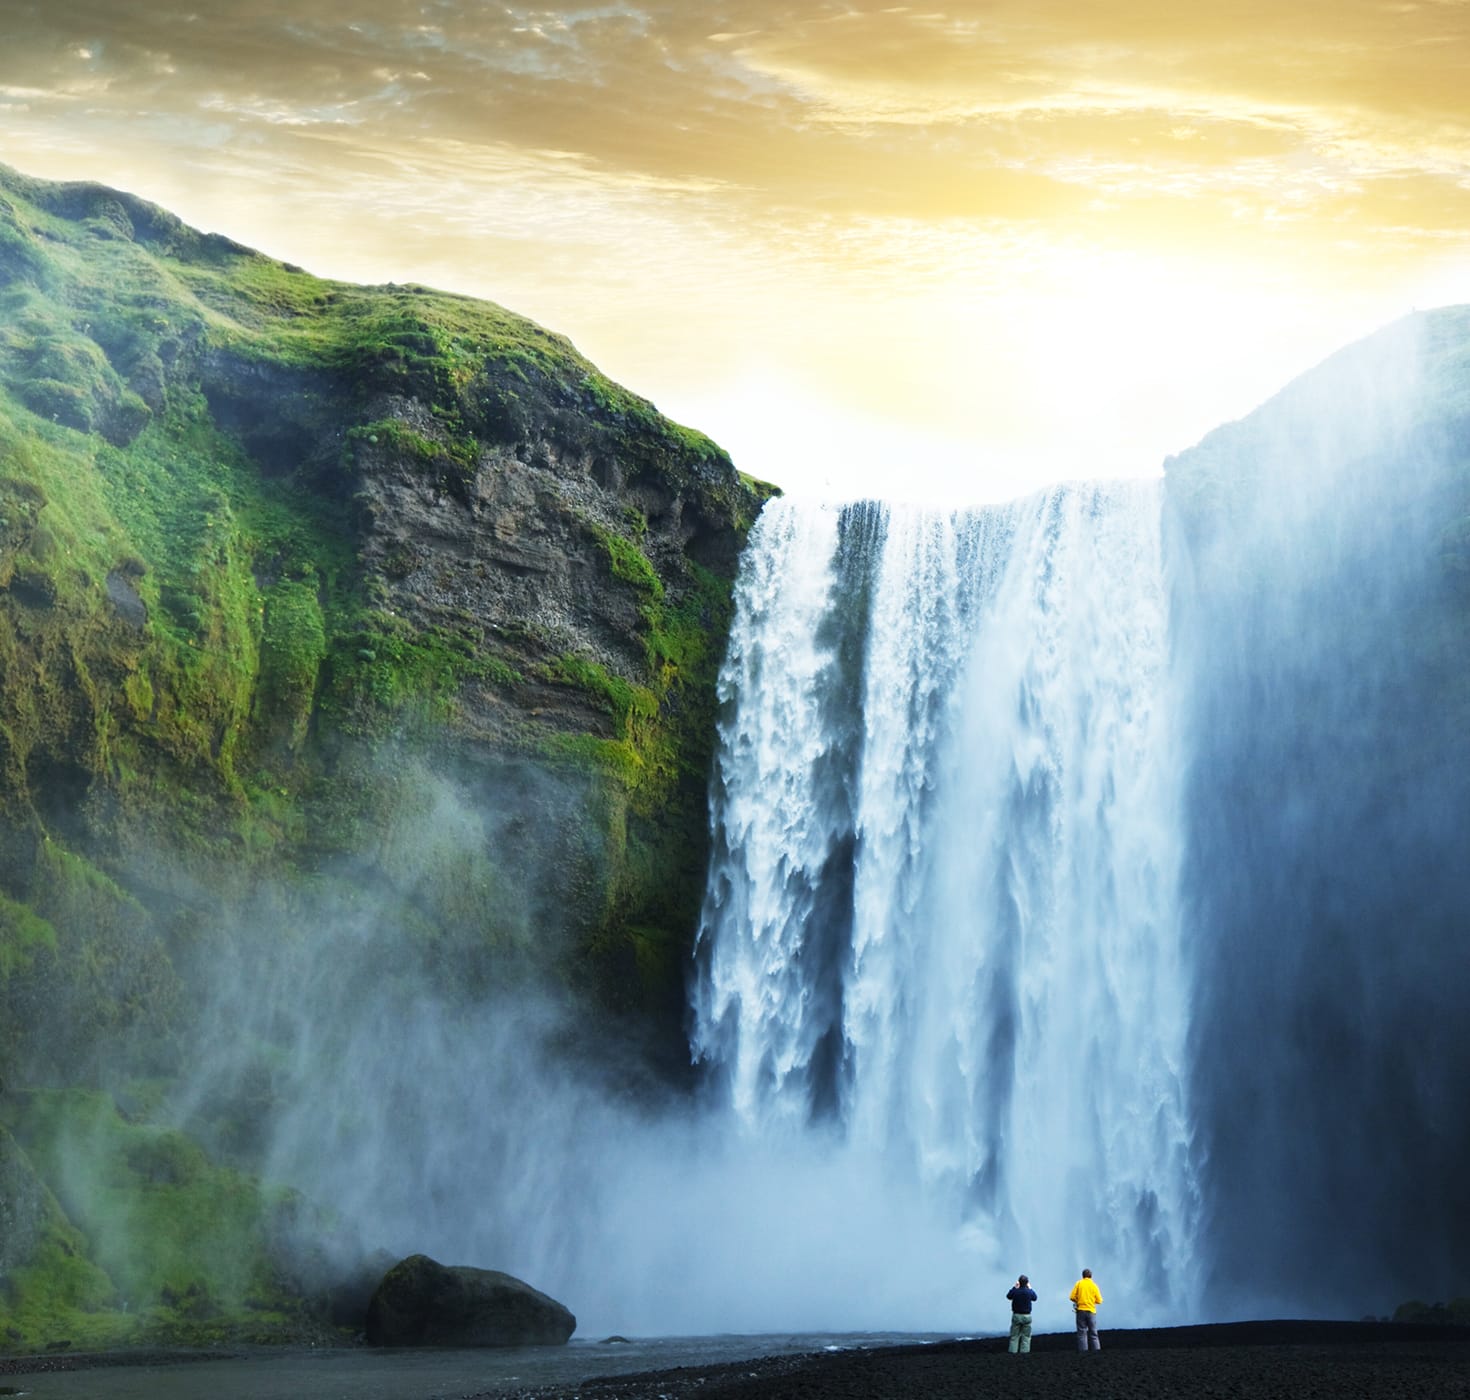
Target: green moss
point(629, 563)
point(498, 672)
point(23, 933)
point(628, 704)
point(187, 421)
point(653, 772)
point(69, 515)
point(107, 981)
point(388, 670)
point(616, 758)
point(185, 496)
point(138, 691)
point(293, 647)
point(21, 258)
point(62, 403)
point(172, 1239)
point(685, 640)
point(450, 461)
point(60, 1295)
point(759, 492)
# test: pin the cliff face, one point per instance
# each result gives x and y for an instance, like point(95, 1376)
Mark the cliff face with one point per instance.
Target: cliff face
point(290, 570)
point(1319, 549)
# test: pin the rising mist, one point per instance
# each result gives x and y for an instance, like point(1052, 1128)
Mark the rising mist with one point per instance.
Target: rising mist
point(1320, 634)
point(1088, 887)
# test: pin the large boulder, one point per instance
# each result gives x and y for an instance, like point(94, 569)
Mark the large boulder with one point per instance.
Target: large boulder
point(424, 1303)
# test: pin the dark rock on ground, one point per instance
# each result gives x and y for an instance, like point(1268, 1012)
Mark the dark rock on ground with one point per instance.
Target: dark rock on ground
point(421, 1302)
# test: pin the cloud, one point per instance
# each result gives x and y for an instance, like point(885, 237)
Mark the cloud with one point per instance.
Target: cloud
point(971, 58)
point(691, 189)
point(1000, 110)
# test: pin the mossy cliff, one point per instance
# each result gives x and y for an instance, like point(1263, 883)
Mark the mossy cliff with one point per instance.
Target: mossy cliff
point(286, 565)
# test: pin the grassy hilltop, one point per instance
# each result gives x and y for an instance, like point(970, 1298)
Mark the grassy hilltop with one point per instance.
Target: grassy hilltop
point(285, 566)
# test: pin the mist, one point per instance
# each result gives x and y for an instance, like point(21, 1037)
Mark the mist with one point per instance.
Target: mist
point(942, 912)
point(1088, 887)
point(1320, 638)
point(490, 1122)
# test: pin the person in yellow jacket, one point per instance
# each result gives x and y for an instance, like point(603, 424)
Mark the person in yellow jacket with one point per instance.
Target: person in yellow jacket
point(1086, 1297)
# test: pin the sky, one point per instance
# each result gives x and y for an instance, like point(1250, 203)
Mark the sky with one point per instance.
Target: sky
point(945, 252)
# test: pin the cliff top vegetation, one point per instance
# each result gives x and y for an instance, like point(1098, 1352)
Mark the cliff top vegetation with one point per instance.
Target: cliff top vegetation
point(321, 607)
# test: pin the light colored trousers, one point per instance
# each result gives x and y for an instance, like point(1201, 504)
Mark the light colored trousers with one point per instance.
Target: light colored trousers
point(1020, 1331)
point(1087, 1331)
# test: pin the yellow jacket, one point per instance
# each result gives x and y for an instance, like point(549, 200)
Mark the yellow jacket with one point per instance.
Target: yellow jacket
point(1085, 1295)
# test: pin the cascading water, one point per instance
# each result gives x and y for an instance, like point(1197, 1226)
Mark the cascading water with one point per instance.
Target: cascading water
point(1065, 908)
point(942, 919)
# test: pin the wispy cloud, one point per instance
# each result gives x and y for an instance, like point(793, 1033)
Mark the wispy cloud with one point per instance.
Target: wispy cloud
point(626, 170)
point(960, 110)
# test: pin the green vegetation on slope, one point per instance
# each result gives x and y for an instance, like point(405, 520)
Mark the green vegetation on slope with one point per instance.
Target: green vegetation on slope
point(144, 1239)
point(261, 536)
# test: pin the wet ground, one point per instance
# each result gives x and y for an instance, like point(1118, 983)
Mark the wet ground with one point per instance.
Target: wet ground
point(370, 1374)
point(1241, 1361)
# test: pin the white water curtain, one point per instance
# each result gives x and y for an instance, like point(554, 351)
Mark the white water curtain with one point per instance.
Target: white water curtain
point(943, 920)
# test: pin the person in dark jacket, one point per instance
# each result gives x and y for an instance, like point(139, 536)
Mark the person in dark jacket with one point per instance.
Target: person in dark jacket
point(1021, 1296)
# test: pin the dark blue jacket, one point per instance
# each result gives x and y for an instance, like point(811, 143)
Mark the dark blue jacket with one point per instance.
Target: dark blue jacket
point(1021, 1299)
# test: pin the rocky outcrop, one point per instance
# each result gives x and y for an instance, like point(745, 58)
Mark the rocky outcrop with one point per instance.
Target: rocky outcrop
point(326, 606)
point(341, 535)
point(423, 1303)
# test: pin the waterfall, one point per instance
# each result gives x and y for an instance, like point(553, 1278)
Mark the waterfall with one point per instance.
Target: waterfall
point(1087, 888)
point(942, 923)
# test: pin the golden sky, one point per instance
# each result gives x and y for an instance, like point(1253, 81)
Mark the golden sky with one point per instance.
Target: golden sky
point(928, 250)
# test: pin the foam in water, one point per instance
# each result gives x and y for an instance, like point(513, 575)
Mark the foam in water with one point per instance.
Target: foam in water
point(942, 919)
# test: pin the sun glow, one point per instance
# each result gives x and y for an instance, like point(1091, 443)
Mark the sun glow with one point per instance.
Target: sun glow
point(1090, 365)
point(952, 252)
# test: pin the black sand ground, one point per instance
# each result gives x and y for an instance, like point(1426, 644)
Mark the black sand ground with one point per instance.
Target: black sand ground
point(91, 1360)
point(1231, 1361)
